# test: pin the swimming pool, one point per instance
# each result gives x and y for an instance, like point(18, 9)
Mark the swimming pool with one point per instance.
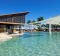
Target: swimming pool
point(32, 44)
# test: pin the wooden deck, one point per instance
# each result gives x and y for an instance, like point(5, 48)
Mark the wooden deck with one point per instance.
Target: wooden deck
point(12, 23)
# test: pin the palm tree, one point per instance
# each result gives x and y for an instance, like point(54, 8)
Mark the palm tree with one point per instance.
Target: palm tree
point(40, 19)
point(33, 21)
point(39, 25)
point(29, 21)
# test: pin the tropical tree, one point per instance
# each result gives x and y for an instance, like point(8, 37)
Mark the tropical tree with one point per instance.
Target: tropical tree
point(39, 25)
point(29, 21)
point(33, 21)
point(40, 18)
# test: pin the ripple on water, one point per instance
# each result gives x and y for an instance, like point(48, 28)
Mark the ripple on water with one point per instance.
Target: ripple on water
point(39, 44)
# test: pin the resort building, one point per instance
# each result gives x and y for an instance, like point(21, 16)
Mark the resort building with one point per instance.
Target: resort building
point(9, 22)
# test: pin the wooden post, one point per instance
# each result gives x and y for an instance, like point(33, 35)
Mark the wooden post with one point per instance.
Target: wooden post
point(19, 29)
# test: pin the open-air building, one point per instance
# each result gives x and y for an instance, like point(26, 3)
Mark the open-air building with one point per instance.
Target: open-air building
point(9, 22)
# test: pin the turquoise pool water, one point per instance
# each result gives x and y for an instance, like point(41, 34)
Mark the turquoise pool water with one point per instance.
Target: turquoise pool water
point(32, 44)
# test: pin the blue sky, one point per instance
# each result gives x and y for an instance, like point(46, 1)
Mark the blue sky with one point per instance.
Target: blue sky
point(45, 8)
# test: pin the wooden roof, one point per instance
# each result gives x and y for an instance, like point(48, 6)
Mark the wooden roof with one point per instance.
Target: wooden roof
point(15, 14)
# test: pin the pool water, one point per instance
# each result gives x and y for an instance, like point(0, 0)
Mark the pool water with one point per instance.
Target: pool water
point(32, 44)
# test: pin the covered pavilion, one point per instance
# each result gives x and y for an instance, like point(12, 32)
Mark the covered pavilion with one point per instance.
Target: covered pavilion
point(50, 21)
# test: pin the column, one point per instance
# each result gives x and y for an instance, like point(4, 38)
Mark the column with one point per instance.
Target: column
point(19, 29)
point(50, 28)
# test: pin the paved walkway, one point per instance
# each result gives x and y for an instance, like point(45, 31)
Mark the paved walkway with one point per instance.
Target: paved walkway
point(5, 36)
